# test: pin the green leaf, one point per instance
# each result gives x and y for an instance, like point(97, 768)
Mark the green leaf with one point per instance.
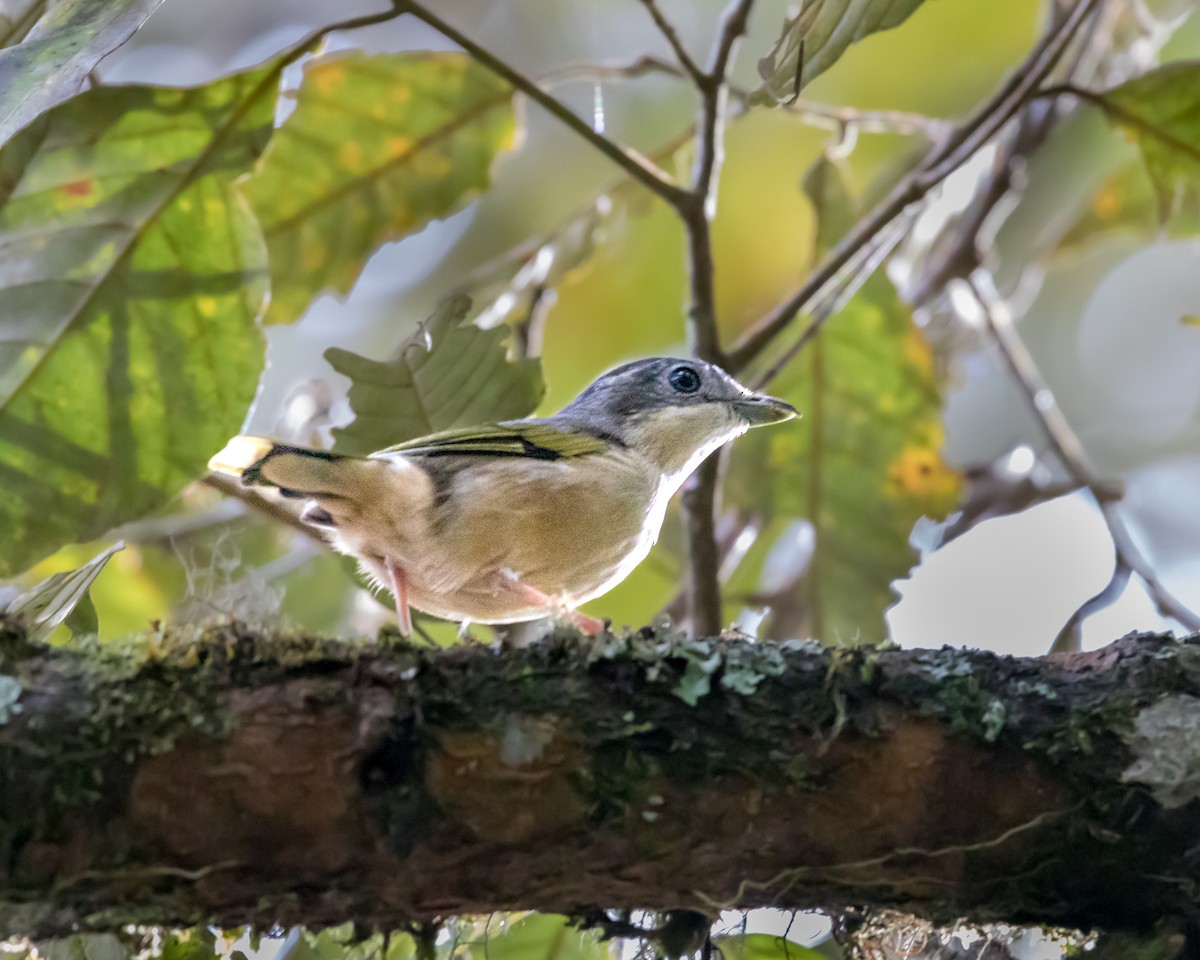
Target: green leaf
point(131, 276)
point(377, 147)
point(197, 943)
point(762, 946)
point(541, 936)
point(59, 52)
point(1161, 109)
point(824, 30)
point(47, 604)
point(447, 374)
point(84, 946)
point(84, 619)
point(864, 462)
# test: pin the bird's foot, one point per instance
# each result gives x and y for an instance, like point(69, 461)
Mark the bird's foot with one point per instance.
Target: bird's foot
point(400, 592)
point(588, 626)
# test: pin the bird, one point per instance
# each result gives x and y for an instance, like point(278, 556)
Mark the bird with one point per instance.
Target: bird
point(521, 519)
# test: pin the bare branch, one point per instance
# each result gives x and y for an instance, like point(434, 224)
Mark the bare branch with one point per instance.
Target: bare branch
point(700, 498)
point(636, 165)
point(671, 35)
point(1068, 448)
point(941, 161)
point(869, 121)
point(640, 67)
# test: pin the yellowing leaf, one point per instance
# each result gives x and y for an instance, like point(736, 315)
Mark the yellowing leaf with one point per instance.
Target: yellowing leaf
point(131, 276)
point(865, 461)
point(377, 147)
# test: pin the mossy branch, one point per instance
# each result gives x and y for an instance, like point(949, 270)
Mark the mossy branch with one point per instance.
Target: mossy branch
point(228, 776)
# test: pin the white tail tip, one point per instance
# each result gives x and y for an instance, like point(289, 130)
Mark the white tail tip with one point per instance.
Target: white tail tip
point(240, 453)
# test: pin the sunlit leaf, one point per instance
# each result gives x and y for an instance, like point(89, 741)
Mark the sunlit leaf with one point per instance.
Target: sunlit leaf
point(377, 147)
point(447, 374)
point(49, 603)
point(539, 936)
point(131, 275)
point(1161, 109)
point(56, 56)
point(821, 32)
point(864, 462)
point(762, 946)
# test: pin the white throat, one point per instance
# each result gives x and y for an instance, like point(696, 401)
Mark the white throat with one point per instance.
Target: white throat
point(678, 441)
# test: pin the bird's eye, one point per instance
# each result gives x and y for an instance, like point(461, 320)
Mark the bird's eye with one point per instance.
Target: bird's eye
point(684, 380)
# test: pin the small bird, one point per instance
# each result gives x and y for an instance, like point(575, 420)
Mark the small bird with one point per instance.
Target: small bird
point(516, 520)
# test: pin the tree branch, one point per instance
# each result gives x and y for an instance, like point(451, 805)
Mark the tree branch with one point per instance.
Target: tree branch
point(941, 161)
point(671, 35)
point(632, 162)
point(700, 498)
point(234, 777)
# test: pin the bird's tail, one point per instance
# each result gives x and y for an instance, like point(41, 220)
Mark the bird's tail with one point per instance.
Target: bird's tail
point(296, 471)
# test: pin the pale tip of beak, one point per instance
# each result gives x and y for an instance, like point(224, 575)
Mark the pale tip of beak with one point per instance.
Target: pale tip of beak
point(760, 410)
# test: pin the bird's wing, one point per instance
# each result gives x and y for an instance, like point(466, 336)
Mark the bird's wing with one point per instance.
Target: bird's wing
point(531, 439)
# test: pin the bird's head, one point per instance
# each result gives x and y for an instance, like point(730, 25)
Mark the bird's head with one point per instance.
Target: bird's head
point(675, 412)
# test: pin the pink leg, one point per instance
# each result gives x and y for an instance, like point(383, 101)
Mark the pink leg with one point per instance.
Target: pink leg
point(588, 626)
point(400, 592)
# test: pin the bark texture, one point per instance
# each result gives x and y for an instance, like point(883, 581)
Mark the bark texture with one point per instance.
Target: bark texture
point(230, 777)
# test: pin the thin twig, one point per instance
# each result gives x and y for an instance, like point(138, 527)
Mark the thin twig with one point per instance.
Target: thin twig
point(941, 161)
point(636, 165)
point(641, 66)
point(869, 121)
point(823, 115)
point(1066, 444)
point(671, 35)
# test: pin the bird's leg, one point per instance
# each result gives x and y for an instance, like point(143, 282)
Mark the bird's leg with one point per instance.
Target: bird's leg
point(588, 626)
point(400, 592)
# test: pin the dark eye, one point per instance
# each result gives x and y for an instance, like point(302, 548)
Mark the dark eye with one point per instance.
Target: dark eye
point(684, 380)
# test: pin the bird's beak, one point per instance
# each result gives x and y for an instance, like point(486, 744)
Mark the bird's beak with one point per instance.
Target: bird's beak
point(760, 410)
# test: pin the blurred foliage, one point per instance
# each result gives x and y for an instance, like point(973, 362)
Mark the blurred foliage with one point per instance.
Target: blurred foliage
point(819, 33)
point(762, 946)
point(154, 263)
point(53, 60)
point(1162, 110)
point(865, 462)
point(376, 148)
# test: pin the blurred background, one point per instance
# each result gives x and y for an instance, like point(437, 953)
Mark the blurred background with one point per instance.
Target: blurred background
point(1099, 289)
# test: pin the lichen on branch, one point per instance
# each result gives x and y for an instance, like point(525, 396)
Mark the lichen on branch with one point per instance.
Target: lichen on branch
point(229, 776)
